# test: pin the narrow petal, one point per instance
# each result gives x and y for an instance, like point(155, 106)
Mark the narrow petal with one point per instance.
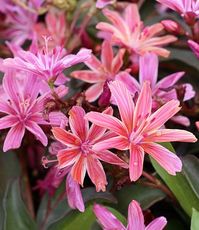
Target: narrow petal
point(78, 124)
point(87, 76)
point(168, 160)
point(106, 218)
point(14, 137)
point(94, 91)
point(95, 131)
point(111, 158)
point(8, 121)
point(130, 12)
point(107, 55)
point(157, 224)
point(136, 162)
point(118, 61)
point(169, 135)
point(135, 216)
point(96, 173)
point(67, 157)
point(169, 80)
point(78, 171)
point(58, 119)
point(35, 129)
point(124, 101)
point(117, 142)
point(182, 120)
point(163, 114)
point(148, 69)
point(6, 108)
point(65, 137)
point(107, 121)
point(74, 195)
point(143, 105)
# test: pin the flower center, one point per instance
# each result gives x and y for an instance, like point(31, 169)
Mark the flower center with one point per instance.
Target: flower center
point(86, 147)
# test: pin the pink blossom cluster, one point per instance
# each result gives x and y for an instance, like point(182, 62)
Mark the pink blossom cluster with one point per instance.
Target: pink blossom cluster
point(129, 105)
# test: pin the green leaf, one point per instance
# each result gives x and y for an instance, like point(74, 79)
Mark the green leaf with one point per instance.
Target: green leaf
point(195, 220)
point(145, 195)
point(15, 212)
point(179, 185)
point(191, 171)
point(62, 209)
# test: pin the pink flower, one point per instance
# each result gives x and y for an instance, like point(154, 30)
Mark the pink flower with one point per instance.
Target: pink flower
point(80, 153)
point(135, 219)
point(195, 47)
point(56, 28)
point(24, 110)
point(186, 8)
point(47, 64)
point(100, 72)
point(19, 22)
point(139, 129)
point(128, 31)
point(162, 91)
point(102, 3)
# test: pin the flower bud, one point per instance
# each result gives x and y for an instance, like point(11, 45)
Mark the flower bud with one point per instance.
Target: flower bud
point(68, 5)
point(172, 27)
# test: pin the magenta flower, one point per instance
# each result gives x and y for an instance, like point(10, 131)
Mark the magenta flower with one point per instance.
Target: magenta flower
point(128, 31)
point(162, 91)
point(101, 72)
point(102, 3)
point(195, 47)
point(186, 8)
point(80, 153)
point(47, 64)
point(140, 129)
point(24, 110)
point(135, 219)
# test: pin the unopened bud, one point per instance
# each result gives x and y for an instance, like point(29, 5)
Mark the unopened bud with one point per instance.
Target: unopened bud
point(190, 18)
point(172, 27)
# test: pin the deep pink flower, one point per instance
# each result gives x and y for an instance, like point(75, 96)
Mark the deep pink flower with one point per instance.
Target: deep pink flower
point(140, 129)
point(135, 219)
point(47, 64)
point(102, 3)
point(163, 90)
point(100, 72)
point(24, 110)
point(195, 47)
point(79, 152)
point(186, 8)
point(128, 31)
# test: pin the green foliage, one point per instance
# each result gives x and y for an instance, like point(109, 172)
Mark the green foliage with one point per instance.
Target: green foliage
point(195, 220)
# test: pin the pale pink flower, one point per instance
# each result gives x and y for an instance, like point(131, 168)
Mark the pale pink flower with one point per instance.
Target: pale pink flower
point(47, 64)
point(24, 110)
point(55, 27)
point(139, 129)
point(195, 47)
point(163, 90)
point(101, 72)
point(102, 3)
point(186, 8)
point(135, 219)
point(128, 31)
point(79, 152)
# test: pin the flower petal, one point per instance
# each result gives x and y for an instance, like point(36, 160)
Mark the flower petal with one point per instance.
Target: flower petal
point(94, 91)
point(107, 55)
point(68, 157)
point(135, 216)
point(157, 224)
point(74, 196)
point(106, 218)
point(111, 158)
point(78, 124)
point(168, 160)
point(14, 137)
point(78, 171)
point(96, 173)
point(136, 162)
point(124, 101)
point(65, 137)
point(8, 121)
